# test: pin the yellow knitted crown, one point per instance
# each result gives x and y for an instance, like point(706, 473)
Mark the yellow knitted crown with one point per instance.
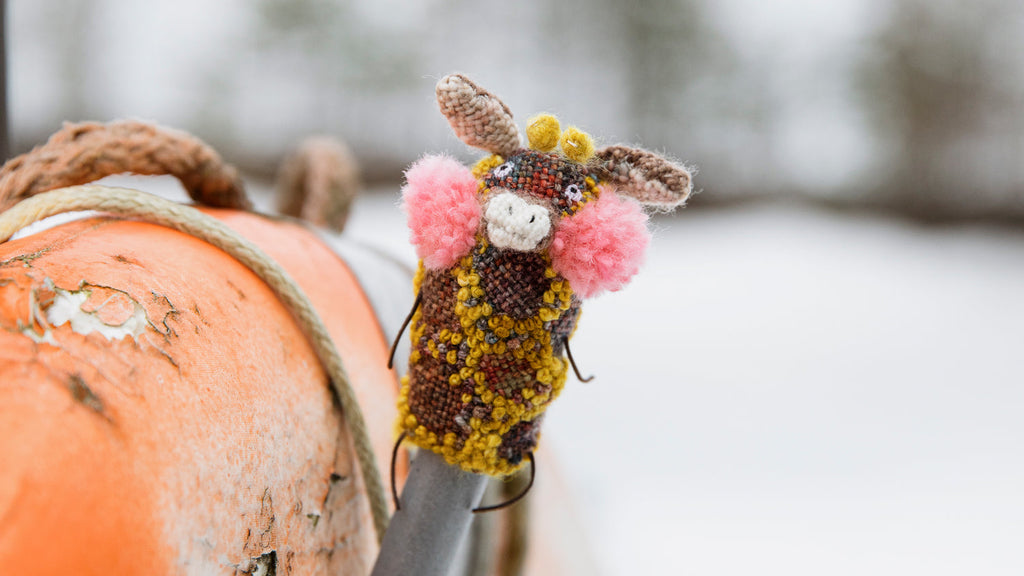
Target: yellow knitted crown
point(544, 133)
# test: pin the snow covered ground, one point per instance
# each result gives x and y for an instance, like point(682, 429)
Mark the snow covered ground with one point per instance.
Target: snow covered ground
point(790, 391)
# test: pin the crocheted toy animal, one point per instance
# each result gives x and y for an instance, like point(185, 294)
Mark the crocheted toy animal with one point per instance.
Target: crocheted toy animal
point(508, 249)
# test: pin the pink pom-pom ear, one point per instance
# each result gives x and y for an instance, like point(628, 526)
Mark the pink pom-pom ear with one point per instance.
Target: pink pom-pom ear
point(440, 200)
point(602, 246)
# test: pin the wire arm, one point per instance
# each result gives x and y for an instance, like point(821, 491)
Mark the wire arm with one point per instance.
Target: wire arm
point(568, 352)
point(394, 458)
point(405, 324)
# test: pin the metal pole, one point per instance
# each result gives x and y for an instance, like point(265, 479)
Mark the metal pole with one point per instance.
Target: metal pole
point(5, 145)
point(437, 509)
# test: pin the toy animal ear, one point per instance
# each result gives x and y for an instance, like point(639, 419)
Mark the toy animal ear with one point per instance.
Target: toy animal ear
point(478, 117)
point(440, 200)
point(602, 246)
point(645, 176)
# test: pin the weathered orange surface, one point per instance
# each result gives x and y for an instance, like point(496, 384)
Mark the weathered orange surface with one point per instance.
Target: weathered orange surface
point(202, 439)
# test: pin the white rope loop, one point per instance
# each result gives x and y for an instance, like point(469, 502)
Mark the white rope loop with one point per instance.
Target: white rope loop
point(156, 210)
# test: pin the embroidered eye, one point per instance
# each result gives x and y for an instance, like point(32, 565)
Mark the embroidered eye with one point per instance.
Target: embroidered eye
point(503, 170)
point(572, 192)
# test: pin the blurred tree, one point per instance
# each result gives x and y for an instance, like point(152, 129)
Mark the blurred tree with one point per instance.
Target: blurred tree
point(665, 43)
point(321, 65)
point(70, 27)
point(335, 36)
point(936, 86)
point(688, 92)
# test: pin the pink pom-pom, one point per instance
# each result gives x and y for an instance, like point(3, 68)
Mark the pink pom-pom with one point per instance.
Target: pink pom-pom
point(602, 246)
point(440, 200)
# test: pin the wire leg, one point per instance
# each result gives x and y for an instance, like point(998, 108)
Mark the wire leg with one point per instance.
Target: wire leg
point(398, 337)
point(394, 457)
point(568, 352)
point(533, 474)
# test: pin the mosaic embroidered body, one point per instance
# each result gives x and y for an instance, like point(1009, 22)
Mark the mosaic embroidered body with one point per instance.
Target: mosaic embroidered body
point(508, 249)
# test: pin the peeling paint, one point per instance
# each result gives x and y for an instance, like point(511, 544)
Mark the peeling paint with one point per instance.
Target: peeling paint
point(266, 565)
point(170, 312)
point(25, 259)
point(70, 306)
point(92, 308)
point(37, 337)
point(38, 329)
point(169, 358)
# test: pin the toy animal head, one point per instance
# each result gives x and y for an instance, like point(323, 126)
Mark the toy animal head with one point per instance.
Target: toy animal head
point(581, 207)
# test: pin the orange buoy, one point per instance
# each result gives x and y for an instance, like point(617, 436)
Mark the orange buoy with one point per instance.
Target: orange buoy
point(162, 412)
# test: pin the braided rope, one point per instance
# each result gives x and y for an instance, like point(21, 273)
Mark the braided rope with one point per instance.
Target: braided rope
point(135, 204)
point(318, 183)
point(82, 153)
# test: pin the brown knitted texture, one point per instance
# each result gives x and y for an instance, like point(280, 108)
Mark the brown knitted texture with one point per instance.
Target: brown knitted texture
point(645, 176)
point(85, 152)
point(453, 381)
point(319, 182)
point(477, 117)
point(544, 177)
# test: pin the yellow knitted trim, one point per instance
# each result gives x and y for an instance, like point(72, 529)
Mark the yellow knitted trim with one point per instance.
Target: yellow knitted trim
point(479, 453)
point(485, 165)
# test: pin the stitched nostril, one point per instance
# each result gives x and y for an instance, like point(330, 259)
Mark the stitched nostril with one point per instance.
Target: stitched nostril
point(532, 218)
point(509, 209)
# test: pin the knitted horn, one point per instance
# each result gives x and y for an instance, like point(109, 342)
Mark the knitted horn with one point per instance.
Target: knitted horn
point(647, 177)
point(477, 117)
